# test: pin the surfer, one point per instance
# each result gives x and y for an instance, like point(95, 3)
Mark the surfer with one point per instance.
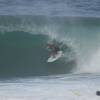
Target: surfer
point(56, 53)
point(54, 49)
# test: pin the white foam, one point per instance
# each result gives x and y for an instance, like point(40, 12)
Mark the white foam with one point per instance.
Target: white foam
point(50, 89)
point(92, 65)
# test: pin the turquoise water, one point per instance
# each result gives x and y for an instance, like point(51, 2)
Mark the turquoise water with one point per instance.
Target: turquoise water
point(23, 43)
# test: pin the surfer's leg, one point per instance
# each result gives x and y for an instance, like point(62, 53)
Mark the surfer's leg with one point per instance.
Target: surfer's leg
point(54, 54)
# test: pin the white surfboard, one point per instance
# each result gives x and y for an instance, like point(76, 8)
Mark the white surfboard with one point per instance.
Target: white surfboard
point(57, 56)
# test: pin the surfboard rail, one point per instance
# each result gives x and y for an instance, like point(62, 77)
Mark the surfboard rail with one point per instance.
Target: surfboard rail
point(53, 58)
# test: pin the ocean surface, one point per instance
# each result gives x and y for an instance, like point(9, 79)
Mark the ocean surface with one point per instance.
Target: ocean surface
point(26, 27)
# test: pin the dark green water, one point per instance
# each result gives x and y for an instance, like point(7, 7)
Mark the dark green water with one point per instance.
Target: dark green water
point(23, 41)
point(23, 54)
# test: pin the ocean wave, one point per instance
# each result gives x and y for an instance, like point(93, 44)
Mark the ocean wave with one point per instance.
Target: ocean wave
point(23, 41)
point(25, 54)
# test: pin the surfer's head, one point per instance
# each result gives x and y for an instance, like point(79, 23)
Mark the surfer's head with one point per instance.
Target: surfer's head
point(50, 45)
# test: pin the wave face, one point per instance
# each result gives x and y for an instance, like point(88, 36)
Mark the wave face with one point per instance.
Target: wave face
point(23, 41)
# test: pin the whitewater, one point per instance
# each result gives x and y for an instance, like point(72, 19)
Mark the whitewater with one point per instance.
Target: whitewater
point(26, 27)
